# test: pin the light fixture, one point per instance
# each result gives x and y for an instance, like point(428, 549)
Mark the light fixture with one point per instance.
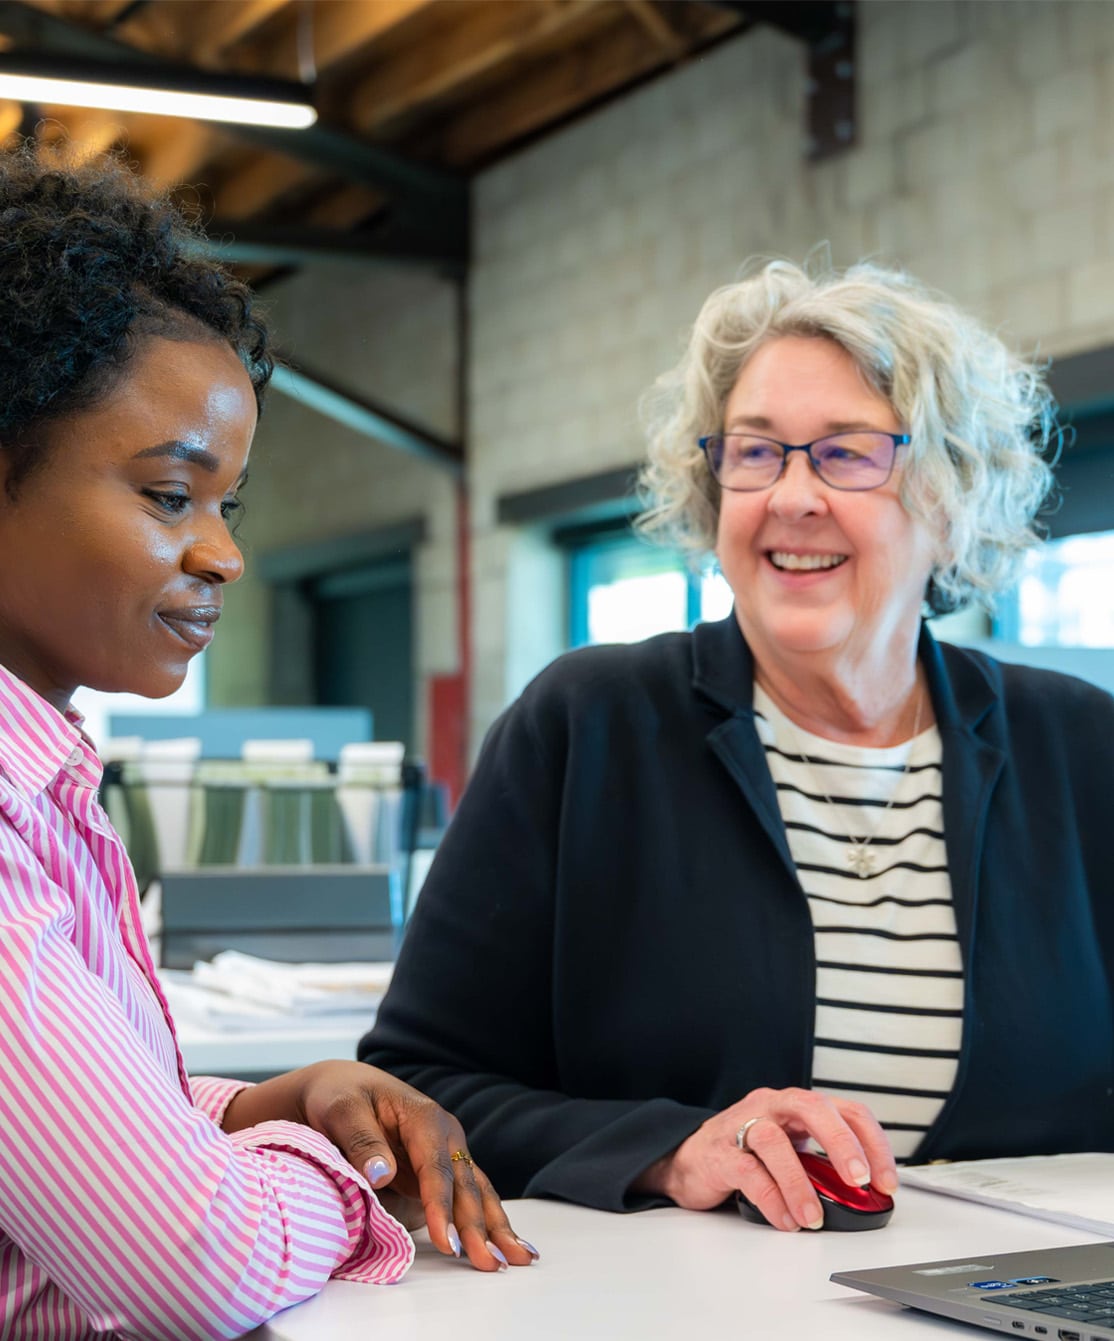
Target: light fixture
point(162, 90)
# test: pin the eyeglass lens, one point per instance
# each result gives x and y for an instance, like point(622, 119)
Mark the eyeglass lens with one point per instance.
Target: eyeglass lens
point(845, 460)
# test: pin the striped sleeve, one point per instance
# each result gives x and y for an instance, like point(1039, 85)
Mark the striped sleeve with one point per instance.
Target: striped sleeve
point(213, 1094)
point(380, 1250)
point(131, 1210)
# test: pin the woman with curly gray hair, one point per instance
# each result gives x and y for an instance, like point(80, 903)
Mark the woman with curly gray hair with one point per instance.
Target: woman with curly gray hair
point(979, 420)
point(802, 875)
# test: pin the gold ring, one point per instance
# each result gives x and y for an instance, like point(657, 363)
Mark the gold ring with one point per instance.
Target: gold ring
point(461, 1155)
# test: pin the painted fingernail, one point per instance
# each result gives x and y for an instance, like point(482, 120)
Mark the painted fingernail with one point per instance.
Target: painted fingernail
point(376, 1170)
point(529, 1248)
point(454, 1239)
point(860, 1174)
point(494, 1251)
point(811, 1216)
point(790, 1224)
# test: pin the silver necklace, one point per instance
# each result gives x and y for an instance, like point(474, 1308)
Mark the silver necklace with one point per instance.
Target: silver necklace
point(859, 855)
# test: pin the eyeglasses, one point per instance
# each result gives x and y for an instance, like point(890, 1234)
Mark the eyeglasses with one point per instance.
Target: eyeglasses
point(743, 462)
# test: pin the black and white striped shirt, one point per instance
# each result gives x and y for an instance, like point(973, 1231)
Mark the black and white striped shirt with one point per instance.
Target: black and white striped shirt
point(889, 976)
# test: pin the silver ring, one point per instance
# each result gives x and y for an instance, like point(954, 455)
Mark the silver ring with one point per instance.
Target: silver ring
point(741, 1134)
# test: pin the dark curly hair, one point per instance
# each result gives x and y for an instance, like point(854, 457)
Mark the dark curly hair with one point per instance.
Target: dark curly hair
point(90, 261)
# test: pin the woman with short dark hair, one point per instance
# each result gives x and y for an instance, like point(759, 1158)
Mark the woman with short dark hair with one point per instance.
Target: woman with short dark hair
point(136, 1200)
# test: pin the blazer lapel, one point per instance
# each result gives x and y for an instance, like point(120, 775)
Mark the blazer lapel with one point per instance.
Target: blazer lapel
point(964, 701)
point(736, 744)
point(723, 672)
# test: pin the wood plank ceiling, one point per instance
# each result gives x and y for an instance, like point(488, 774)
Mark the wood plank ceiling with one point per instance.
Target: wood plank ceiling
point(413, 96)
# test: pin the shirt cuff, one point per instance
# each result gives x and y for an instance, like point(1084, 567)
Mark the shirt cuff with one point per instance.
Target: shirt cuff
point(380, 1251)
point(211, 1095)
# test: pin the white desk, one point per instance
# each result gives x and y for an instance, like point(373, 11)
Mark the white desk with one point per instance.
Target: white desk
point(230, 1052)
point(669, 1276)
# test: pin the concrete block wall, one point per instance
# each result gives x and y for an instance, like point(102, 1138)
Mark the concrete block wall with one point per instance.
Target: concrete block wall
point(388, 334)
point(984, 163)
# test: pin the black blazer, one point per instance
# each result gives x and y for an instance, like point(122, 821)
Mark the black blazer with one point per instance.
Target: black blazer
point(612, 943)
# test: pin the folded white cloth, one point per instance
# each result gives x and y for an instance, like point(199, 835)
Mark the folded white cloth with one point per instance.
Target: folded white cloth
point(299, 989)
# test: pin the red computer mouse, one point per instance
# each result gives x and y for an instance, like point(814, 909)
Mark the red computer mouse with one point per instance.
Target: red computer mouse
point(844, 1206)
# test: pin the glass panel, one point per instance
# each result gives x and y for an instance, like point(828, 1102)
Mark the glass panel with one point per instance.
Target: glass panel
point(622, 589)
point(1065, 597)
point(632, 608)
point(716, 597)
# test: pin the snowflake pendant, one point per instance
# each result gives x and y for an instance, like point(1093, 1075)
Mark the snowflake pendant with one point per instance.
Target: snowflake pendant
point(861, 860)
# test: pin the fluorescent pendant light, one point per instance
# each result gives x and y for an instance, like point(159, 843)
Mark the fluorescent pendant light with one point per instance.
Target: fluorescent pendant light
point(171, 92)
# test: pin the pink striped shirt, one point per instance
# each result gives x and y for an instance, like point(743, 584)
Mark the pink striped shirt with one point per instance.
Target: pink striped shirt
point(124, 1208)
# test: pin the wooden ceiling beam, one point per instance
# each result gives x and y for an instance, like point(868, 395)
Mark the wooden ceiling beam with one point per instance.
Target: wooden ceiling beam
point(228, 24)
point(37, 29)
point(345, 208)
point(172, 152)
point(340, 32)
point(176, 157)
point(659, 28)
point(104, 11)
point(468, 44)
point(95, 13)
point(551, 90)
point(253, 189)
point(264, 33)
point(414, 188)
point(11, 118)
point(87, 132)
point(199, 30)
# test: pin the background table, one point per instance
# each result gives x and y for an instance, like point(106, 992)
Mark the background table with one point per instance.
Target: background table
point(251, 1053)
point(670, 1275)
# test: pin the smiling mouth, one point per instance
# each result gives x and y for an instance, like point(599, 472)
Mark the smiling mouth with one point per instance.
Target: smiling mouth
point(804, 563)
point(193, 627)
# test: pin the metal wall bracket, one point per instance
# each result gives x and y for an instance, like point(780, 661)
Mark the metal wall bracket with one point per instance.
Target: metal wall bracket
point(827, 28)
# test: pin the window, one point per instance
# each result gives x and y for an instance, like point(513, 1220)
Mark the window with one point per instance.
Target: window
point(623, 589)
point(1065, 596)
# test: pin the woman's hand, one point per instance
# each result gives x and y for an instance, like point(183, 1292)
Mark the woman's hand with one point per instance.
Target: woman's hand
point(708, 1167)
point(403, 1144)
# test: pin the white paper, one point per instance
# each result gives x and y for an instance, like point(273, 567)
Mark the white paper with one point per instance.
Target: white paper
point(238, 991)
point(298, 989)
point(1075, 1190)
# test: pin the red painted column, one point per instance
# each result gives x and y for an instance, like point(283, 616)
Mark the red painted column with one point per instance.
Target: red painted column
point(449, 695)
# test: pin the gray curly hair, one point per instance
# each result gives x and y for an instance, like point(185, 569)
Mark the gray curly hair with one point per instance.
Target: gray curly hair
point(982, 420)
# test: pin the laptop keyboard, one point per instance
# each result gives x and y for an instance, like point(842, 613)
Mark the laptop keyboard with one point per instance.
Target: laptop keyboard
point(1081, 1303)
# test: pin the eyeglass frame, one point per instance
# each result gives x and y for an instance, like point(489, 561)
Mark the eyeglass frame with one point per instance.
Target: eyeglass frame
point(898, 439)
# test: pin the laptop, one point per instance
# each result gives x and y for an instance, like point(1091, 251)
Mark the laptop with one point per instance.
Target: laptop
point(1062, 1294)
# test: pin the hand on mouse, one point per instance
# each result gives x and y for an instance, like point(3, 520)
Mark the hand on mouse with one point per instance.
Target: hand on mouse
point(709, 1167)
